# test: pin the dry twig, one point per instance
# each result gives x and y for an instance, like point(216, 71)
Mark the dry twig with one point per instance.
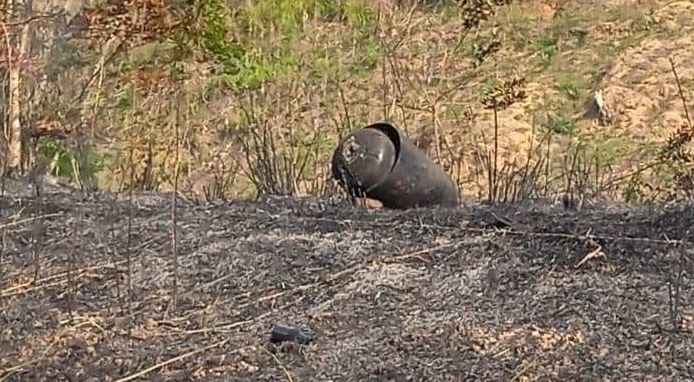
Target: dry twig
point(681, 93)
point(174, 359)
point(279, 364)
point(29, 220)
point(597, 252)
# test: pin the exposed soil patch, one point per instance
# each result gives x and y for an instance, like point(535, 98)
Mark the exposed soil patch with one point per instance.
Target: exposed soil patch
point(640, 89)
point(477, 293)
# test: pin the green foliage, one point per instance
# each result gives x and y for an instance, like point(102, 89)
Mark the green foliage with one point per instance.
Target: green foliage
point(563, 125)
point(264, 34)
point(368, 56)
point(326, 65)
point(569, 88)
point(286, 17)
point(215, 39)
point(60, 160)
point(124, 99)
point(359, 15)
point(255, 43)
point(546, 47)
point(259, 67)
point(482, 48)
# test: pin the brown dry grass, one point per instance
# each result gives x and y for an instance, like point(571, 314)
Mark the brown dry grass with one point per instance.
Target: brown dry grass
point(507, 293)
point(422, 68)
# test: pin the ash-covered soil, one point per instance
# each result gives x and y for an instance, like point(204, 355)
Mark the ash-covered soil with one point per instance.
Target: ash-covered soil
point(505, 293)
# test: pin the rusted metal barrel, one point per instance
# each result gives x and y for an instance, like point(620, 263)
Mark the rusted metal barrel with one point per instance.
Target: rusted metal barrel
point(381, 163)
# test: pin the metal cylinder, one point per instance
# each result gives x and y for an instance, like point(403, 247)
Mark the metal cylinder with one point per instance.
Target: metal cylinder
point(381, 163)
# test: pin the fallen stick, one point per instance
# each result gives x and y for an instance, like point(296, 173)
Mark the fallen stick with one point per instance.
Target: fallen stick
point(597, 252)
point(29, 220)
point(172, 360)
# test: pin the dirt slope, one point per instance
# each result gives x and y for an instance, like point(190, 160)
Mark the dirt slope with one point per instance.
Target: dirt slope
point(479, 293)
point(641, 89)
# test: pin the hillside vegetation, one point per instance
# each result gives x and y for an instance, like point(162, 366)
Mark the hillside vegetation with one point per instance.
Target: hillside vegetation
point(231, 98)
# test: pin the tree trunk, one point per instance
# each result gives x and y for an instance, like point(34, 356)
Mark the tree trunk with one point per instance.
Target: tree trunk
point(13, 133)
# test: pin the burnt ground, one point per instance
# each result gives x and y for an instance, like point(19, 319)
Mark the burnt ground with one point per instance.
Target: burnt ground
point(478, 293)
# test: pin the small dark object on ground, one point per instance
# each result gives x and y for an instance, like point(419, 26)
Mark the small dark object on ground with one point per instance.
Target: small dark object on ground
point(282, 333)
point(381, 163)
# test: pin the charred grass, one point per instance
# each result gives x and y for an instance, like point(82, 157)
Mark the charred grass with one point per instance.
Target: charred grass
point(510, 292)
